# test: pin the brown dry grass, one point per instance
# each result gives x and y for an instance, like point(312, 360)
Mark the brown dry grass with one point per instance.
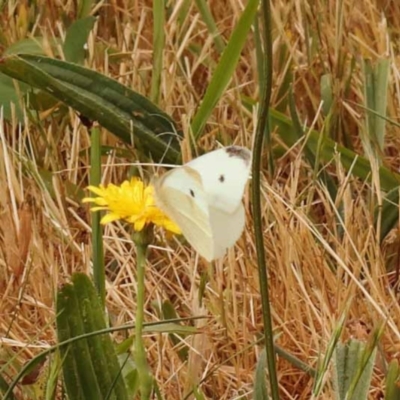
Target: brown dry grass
point(317, 267)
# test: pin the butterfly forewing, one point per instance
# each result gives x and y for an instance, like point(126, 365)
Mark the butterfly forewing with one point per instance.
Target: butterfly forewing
point(224, 174)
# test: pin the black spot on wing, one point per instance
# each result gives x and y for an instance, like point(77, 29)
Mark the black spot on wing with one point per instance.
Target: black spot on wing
point(239, 152)
point(192, 193)
point(221, 178)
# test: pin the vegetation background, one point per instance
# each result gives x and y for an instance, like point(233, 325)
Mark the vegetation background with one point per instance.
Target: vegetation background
point(331, 239)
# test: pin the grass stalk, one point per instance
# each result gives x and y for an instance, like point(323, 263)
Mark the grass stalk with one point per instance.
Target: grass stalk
point(97, 231)
point(158, 48)
point(262, 128)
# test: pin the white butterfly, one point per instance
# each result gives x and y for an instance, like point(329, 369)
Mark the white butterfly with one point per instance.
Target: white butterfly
point(204, 198)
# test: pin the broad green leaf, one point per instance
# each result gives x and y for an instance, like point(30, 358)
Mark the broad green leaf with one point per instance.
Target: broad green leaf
point(225, 68)
point(127, 114)
point(90, 366)
point(76, 39)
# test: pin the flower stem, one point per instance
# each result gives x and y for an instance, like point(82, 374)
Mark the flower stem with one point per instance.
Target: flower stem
point(145, 378)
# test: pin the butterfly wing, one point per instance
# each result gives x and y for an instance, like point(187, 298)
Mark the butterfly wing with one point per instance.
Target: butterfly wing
point(224, 174)
point(226, 229)
point(179, 193)
point(204, 199)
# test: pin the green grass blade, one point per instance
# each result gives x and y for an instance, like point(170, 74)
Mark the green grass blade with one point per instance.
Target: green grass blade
point(158, 48)
point(99, 276)
point(324, 365)
point(84, 8)
point(225, 68)
point(208, 18)
point(388, 214)
point(375, 96)
point(392, 391)
point(4, 388)
point(260, 385)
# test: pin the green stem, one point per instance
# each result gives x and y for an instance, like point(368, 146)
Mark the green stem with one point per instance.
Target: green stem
point(145, 378)
point(263, 130)
point(97, 231)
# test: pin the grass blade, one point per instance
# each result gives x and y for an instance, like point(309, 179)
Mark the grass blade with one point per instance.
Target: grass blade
point(211, 25)
point(158, 48)
point(99, 275)
point(260, 387)
point(225, 68)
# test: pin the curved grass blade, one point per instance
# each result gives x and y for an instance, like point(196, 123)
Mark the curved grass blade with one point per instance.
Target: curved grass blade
point(4, 388)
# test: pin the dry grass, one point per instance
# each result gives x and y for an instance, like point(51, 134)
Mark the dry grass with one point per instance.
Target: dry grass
point(322, 257)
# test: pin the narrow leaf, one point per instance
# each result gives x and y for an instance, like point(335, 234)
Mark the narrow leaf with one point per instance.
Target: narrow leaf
point(260, 385)
point(225, 68)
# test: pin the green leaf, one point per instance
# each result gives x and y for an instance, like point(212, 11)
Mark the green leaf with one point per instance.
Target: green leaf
point(90, 366)
point(9, 97)
point(225, 68)
point(4, 388)
point(76, 39)
point(329, 150)
point(389, 213)
point(326, 93)
point(375, 97)
point(260, 385)
point(392, 391)
point(208, 18)
point(127, 114)
point(354, 363)
point(158, 48)
point(84, 8)
point(169, 312)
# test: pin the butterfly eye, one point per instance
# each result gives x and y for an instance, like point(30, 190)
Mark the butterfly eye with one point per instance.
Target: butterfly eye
point(221, 178)
point(192, 193)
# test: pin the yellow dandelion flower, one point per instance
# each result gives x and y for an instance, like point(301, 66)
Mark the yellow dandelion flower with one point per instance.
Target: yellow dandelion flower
point(133, 202)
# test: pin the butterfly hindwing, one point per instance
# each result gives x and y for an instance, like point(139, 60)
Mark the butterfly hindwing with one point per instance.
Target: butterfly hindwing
point(180, 195)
